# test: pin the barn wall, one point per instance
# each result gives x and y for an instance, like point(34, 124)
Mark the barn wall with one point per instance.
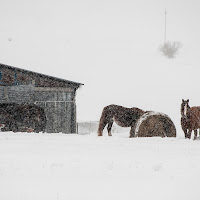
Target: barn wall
point(16, 94)
point(59, 104)
point(12, 76)
point(60, 108)
point(56, 96)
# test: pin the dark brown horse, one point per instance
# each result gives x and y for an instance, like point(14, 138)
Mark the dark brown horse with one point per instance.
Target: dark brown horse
point(190, 119)
point(125, 117)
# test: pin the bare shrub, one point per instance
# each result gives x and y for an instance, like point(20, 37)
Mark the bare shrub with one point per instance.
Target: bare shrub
point(170, 49)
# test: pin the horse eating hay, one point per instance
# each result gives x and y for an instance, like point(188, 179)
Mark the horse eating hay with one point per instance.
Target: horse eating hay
point(125, 117)
point(143, 124)
point(153, 124)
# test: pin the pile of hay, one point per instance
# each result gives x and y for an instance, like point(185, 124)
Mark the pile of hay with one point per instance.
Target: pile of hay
point(155, 124)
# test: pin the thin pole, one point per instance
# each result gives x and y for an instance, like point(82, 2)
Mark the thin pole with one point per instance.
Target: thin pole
point(165, 25)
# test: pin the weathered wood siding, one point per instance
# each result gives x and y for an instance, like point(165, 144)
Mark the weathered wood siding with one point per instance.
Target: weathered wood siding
point(17, 94)
point(59, 108)
point(55, 95)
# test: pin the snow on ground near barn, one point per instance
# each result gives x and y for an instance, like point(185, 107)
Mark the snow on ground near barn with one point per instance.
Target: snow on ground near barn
point(87, 167)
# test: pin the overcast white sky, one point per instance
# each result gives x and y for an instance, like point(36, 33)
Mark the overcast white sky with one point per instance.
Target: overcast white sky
point(110, 46)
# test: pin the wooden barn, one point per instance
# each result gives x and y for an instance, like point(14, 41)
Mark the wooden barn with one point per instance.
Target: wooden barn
point(57, 96)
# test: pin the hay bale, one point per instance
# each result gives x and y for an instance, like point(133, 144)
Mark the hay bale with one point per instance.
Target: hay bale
point(153, 124)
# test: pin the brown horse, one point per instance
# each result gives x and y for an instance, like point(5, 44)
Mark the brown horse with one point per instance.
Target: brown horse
point(190, 119)
point(125, 117)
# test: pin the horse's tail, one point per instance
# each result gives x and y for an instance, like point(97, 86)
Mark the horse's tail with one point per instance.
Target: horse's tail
point(101, 123)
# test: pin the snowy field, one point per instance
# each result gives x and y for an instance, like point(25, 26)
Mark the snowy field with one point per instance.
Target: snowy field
point(112, 47)
point(87, 167)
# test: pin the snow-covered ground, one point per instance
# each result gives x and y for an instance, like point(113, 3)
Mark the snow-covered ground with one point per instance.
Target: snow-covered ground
point(111, 47)
point(87, 167)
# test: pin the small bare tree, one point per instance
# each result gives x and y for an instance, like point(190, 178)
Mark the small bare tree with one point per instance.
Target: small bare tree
point(170, 49)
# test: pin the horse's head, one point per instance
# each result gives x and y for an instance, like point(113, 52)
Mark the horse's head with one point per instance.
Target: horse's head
point(184, 108)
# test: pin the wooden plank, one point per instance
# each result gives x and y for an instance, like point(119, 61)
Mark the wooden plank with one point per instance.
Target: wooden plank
point(58, 89)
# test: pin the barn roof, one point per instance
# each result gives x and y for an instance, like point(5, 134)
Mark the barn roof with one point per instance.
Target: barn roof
point(76, 84)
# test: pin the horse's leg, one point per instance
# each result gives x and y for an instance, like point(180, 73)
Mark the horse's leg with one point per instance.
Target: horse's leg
point(195, 134)
point(189, 133)
point(185, 131)
point(183, 125)
point(102, 125)
point(110, 123)
point(103, 122)
point(106, 117)
point(132, 131)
